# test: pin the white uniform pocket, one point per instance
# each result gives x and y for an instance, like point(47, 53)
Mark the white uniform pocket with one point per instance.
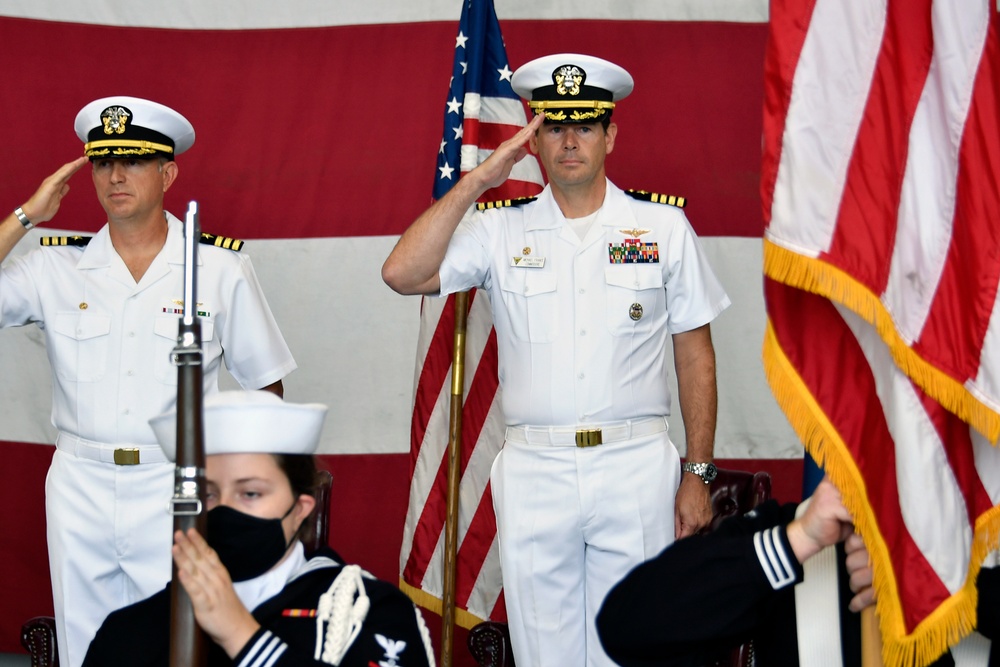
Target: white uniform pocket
point(80, 345)
point(635, 297)
point(529, 296)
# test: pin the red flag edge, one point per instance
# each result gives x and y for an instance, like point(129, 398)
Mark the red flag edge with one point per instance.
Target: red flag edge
point(819, 277)
point(952, 620)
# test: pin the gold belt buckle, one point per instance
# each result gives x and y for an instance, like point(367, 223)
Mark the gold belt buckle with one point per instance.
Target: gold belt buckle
point(588, 437)
point(128, 456)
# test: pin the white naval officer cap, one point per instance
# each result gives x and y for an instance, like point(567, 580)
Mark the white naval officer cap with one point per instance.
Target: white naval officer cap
point(249, 422)
point(130, 127)
point(571, 87)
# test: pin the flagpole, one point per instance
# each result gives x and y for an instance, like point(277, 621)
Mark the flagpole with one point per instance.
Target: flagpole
point(454, 447)
point(871, 639)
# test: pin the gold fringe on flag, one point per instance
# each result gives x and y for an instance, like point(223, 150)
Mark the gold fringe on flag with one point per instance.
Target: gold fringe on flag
point(953, 619)
point(814, 275)
point(424, 599)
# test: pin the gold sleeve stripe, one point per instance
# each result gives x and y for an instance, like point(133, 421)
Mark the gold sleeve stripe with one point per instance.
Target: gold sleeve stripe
point(520, 201)
point(65, 240)
point(226, 242)
point(656, 198)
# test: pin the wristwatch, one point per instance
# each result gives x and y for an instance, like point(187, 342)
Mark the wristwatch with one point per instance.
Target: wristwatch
point(707, 471)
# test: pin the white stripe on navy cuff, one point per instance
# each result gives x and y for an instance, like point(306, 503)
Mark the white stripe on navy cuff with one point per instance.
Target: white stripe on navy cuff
point(265, 651)
point(773, 558)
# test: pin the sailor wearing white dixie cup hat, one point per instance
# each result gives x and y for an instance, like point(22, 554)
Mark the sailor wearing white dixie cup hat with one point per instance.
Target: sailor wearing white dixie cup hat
point(263, 600)
point(588, 285)
point(108, 306)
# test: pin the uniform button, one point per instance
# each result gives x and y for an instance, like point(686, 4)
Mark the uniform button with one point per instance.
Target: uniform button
point(131, 334)
point(583, 291)
point(583, 332)
point(126, 411)
point(581, 376)
point(130, 373)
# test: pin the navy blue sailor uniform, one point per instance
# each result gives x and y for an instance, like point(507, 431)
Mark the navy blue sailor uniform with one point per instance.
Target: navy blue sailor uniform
point(388, 632)
point(707, 593)
point(582, 329)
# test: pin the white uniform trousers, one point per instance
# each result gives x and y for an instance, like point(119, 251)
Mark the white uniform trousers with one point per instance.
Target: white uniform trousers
point(571, 522)
point(109, 535)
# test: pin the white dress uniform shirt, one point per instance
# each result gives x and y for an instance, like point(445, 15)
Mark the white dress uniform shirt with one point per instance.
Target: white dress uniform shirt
point(582, 341)
point(109, 342)
point(109, 339)
point(571, 348)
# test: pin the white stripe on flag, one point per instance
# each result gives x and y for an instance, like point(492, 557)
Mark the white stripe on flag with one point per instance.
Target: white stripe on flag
point(927, 206)
point(930, 499)
point(841, 47)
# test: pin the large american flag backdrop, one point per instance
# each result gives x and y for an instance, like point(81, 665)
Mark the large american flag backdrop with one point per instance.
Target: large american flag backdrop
point(318, 129)
point(881, 189)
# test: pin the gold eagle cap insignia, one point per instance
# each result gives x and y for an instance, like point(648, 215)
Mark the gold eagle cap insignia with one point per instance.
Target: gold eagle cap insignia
point(634, 233)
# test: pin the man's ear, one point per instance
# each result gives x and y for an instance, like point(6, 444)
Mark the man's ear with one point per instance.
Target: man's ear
point(169, 172)
point(609, 138)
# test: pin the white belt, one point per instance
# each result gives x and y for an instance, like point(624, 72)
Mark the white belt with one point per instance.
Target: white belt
point(586, 436)
point(119, 454)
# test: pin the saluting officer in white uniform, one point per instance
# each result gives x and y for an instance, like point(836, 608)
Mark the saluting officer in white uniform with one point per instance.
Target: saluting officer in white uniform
point(587, 283)
point(109, 307)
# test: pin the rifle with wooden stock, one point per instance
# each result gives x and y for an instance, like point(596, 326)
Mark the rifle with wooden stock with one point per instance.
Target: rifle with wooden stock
point(188, 643)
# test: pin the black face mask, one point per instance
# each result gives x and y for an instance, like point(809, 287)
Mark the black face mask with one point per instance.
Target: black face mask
point(247, 545)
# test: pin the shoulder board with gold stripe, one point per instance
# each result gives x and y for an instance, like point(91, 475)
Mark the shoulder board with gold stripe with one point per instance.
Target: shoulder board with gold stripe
point(503, 203)
point(642, 195)
point(221, 241)
point(80, 241)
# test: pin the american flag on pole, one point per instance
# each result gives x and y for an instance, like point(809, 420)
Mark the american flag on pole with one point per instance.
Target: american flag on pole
point(481, 112)
point(881, 193)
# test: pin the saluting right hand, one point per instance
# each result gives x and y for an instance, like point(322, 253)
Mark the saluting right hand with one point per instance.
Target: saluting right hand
point(44, 204)
point(495, 170)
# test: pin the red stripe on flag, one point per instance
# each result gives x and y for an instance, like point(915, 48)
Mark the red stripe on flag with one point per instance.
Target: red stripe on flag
point(511, 190)
point(482, 528)
point(957, 442)
point(487, 135)
point(956, 325)
point(434, 372)
point(866, 226)
point(479, 399)
point(789, 19)
point(427, 530)
point(475, 547)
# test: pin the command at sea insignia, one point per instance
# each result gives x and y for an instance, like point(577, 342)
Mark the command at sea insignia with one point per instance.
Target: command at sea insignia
point(226, 242)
